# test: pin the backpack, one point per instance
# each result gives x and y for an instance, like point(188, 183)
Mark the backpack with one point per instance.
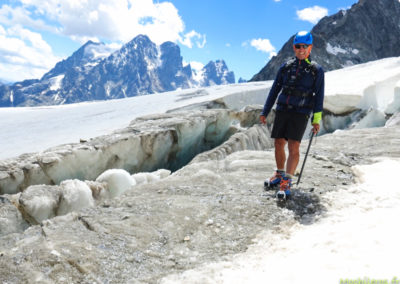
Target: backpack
point(312, 66)
point(289, 87)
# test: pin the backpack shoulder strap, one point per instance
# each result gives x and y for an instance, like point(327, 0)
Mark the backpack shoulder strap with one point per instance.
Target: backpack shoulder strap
point(289, 63)
point(314, 67)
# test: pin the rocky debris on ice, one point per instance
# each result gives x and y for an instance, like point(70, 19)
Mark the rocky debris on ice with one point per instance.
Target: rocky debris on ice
point(206, 211)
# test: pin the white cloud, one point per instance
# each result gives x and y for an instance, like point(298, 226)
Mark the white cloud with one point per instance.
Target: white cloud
point(24, 54)
point(263, 45)
point(10, 16)
point(197, 66)
point(195, 37)
point(109, 20)
point(312, 14)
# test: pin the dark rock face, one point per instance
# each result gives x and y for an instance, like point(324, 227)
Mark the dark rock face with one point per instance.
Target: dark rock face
point(370, 30)
point(140, 67)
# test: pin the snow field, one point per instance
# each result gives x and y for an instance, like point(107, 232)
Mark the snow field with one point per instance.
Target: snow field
point(34, 129)
point(356, 239)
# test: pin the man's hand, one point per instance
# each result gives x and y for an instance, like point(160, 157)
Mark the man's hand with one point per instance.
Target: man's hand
point(263, 119)
point(315, 128)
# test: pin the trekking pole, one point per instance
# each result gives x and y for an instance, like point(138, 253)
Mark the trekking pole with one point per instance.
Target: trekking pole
point(305, 158)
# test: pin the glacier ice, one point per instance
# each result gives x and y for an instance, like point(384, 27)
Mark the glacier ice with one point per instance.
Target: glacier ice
point(209, 210)
point(371, 118)
point(380, 94)
point(75, 195)
point(146, 177)
point(130, 222)
point(393, 121)
point(117, 181)
point(11, 220)
point(40, 202)
point(394, 105)
point(358, 119)
point(149, 143)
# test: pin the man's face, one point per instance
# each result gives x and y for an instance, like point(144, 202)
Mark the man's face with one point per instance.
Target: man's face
point(302, 50)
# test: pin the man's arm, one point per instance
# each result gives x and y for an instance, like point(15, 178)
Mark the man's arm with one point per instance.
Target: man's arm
point(273, 94)
point(319, 99)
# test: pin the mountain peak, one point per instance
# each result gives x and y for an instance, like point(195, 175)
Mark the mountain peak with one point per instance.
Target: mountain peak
point(89, 42)
point(94, 73)
point(139, 41)
point(217, 73)
point(368, 31)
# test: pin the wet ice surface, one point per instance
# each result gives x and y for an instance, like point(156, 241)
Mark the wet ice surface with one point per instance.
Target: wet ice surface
point(216, 211)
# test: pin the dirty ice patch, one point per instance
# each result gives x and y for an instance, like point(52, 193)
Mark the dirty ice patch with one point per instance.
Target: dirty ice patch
point(357, 239)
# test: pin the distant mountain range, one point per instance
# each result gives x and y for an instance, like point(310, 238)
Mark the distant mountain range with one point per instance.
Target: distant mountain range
point(93, 72)
point(370, 30)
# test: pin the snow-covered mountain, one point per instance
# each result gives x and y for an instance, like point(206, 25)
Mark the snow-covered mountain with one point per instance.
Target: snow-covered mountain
point(368, 31)
point(82, 60)
point(216, 73)
point(94, 72)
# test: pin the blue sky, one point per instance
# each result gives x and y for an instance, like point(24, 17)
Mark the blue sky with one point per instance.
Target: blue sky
point(36, 34)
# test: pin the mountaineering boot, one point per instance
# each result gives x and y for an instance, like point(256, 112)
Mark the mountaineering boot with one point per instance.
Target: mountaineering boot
point(284, 191)
point(275, 180)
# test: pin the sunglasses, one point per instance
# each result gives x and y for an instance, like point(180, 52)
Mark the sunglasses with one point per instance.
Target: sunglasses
point(298, 46)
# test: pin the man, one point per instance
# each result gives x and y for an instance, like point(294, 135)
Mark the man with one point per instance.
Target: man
point(300, 86)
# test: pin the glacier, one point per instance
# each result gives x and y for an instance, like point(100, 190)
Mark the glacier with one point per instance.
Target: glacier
point(175, 195)
point(212, 222)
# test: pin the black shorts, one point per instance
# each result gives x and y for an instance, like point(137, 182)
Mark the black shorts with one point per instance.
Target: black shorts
point(289, 125)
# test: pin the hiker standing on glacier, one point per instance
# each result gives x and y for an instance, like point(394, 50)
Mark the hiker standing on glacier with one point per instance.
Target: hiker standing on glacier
point(299, 88)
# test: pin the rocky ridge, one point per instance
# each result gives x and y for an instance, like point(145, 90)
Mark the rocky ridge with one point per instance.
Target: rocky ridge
point(368, 31)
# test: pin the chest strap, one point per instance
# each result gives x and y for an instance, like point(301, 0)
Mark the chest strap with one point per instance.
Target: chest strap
point(293, 91)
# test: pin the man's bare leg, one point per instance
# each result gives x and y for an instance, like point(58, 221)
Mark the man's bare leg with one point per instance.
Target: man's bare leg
point(294, 156)
point(280, 155)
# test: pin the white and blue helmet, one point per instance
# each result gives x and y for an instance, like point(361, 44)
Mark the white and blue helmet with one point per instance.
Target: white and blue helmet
point(303, 37)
